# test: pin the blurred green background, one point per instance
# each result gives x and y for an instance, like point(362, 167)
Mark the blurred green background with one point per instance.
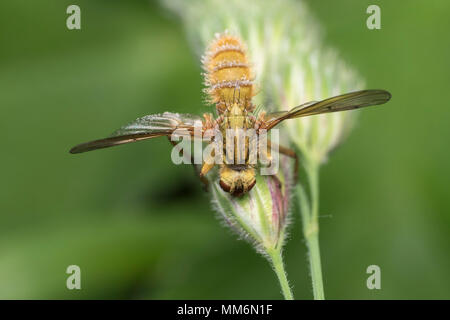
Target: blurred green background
point(141, 227)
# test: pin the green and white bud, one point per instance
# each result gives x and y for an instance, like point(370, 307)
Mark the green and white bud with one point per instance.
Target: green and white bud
point(261, 216)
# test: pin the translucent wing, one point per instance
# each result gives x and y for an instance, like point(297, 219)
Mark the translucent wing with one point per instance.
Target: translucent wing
point(151, 126)
point(348, 101)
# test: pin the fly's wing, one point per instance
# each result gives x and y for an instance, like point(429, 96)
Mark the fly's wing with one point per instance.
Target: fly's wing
point(348, 101)
point(151, 126)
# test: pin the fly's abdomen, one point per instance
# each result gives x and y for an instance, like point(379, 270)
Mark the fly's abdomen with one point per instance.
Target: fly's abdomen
point(227, 73)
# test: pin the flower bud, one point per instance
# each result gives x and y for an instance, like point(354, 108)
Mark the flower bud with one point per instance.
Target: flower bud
point(261, 215)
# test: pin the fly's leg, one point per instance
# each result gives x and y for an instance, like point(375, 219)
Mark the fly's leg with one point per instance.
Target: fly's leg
point(289, 153)
point(203, 179)
point(258, 121)
point(207, 165)
point(196, 171)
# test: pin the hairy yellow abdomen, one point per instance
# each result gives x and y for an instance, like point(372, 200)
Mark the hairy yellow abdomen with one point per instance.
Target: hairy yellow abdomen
point(227, 73)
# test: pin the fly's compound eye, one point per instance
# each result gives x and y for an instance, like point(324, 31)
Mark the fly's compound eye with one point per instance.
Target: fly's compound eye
point(224, 186)
point(250, 187)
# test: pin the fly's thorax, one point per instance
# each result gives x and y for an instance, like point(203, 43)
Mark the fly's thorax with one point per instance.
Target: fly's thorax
point(237, 180)
point(235, 117)
point(239, 136)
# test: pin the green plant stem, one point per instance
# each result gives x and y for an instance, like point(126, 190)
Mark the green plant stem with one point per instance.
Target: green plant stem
point(316, 267)
point(278, 266)
point(310, 215)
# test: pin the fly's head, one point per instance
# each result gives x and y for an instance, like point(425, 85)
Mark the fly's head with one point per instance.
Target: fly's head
point(237, 180)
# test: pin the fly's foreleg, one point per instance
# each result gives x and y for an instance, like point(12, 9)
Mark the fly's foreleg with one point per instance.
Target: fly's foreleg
point(207, 165)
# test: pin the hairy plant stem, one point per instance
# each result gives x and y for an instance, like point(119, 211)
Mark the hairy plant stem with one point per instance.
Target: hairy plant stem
point(309, 209)
point(277, 262)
